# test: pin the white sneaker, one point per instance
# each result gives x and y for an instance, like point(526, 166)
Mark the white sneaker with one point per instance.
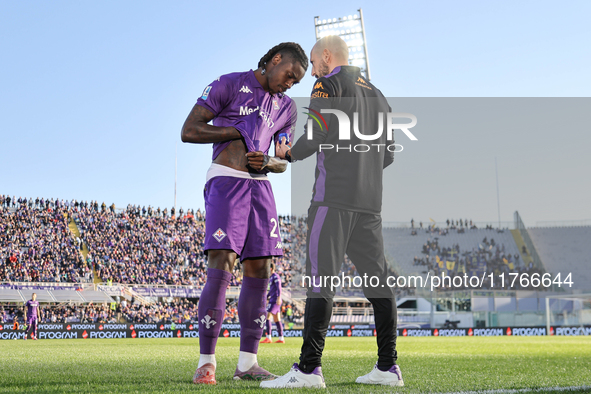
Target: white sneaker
point(296, 378)
point(391, 377)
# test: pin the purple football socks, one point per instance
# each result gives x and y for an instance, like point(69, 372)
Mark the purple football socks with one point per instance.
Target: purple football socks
point(212, 306)
point(252, 313)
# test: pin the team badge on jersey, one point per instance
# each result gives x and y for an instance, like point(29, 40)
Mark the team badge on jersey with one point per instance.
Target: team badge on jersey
point(219, 235)
point(206, 93)
point(275, 104)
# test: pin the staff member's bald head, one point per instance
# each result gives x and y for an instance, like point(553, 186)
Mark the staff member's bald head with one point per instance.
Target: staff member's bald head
point(328, 53)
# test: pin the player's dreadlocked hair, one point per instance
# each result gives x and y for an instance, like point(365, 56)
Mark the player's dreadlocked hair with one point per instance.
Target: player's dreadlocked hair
point(286, 48)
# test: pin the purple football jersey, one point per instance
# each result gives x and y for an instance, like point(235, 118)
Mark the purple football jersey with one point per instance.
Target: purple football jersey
point(238, 100)
point(32, 308)
point(274, 288)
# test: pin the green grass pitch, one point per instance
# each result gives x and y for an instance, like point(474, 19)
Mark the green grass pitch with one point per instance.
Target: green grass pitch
point(167, 365)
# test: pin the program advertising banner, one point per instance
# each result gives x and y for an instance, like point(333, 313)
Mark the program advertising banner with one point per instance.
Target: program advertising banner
point(190, 330)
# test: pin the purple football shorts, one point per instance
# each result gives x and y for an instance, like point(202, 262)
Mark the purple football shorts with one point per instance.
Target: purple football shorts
point(241, 216)
point(273, 308)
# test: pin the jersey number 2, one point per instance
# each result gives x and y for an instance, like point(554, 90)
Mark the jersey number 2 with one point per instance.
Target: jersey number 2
point(273, 234)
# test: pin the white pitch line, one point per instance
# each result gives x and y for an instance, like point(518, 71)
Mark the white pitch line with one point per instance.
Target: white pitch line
point(517, 391)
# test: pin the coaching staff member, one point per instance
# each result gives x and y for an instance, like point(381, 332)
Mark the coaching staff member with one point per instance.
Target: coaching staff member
point(345, 212)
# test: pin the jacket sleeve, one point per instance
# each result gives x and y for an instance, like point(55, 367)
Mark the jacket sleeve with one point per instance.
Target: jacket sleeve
point(309, 143)
point(389, 156)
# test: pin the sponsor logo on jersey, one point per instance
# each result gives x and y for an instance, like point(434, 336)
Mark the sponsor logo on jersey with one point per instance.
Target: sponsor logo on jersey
point(278, 246)
point(206, 93)
point(267, 118)
point(244, 110)
point(318, 86)
point(245, 89)
point(361, 82)
point(319, 95)
point(219, 235)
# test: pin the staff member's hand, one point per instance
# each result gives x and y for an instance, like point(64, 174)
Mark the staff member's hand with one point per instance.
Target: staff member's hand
point(281, 148)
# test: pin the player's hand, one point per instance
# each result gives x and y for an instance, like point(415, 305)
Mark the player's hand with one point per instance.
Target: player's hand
point(257, 160)
point(281, 149)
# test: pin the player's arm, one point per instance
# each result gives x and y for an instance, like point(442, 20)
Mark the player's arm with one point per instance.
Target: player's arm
point(214, 99)
point(197, 130)
point(259, 161)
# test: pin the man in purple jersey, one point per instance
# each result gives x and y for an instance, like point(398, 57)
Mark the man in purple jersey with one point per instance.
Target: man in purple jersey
point(249, 111)
point(31, 314)
point(274, 307)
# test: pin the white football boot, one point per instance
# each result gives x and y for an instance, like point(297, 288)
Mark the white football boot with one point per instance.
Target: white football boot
point(297, 378)
point(391, 377)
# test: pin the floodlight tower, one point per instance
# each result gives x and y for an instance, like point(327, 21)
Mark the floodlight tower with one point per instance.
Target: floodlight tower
point(351, 29)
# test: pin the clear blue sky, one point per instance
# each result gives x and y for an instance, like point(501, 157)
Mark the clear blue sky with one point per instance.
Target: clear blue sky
point(94, 94)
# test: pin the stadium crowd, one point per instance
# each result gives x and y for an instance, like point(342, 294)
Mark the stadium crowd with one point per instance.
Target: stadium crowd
point(36, 244)
point(147, 246)
point(183, 311)
point(486, 257)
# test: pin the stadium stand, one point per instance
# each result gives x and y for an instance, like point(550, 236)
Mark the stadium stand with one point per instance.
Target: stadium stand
point(37, 246)
point(47, 240)
point(565, 250)
point(453, 251)
point(183, 311)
